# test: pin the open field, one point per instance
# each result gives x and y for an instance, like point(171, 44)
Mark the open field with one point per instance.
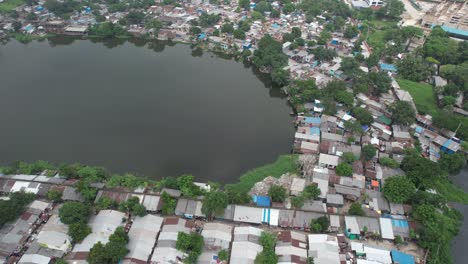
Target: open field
point(422, 95)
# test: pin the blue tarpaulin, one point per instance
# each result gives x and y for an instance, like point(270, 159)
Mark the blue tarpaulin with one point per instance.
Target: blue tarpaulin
point(261, 200)
point(315, 131)
point(202, 36)
point(312, 120)
point(401, 258)
point(388, 67)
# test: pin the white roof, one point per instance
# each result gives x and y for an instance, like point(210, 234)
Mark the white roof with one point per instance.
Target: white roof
point(328, 159)
point(248, 214)
point(247, 230)
point(143, 236)
point(307, 137)
point(25, 186)
point(324, 249)
point(386, 228)
point(290, 250)
point(34, 258)
point(54, 234)
point(358, 247)
point(274, 216)
point(151, 202)
point(217, 234)
point(166, 255)
point(103, 225)
point(352, 224)
point(40, 205)
point(244, 252)
point(378, 254)
point(322, 185)
point(309, 145)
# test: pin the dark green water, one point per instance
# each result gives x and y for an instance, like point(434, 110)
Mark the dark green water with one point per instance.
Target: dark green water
point(149, 108)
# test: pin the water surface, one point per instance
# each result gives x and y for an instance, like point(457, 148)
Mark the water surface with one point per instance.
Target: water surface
point(153, 109)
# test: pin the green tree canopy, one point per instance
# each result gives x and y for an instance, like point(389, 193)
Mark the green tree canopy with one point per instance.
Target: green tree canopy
point(74, 212)
point(356, 209)
point(403, 113)
point(214, 203)
point(344, 169)
point(368, 152)
point(320, 225)
point(398, 189)
point(79, 231)
point(277, 193)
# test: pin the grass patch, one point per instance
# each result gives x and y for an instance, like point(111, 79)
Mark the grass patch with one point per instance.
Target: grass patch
point(284, 164)
point(422, 94)
point(377, 32)
point(451, 192)
point(9, 5)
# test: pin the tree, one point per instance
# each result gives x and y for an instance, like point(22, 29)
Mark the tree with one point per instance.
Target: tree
point(350, 66)
point(402, 113)
point(168, 204)
point(277, 193)
point(74, 212)
point(362, 115)
point(311, 191)
point(324, 54)
point(389, 162)
point(344, 97)
point(398, 189)
point(452, 163)
point(368, 152)
point(133, 206)
point(320, 225)
point(262, 7)
point(113, 252)
point(190, 243)
point(269, 55)
point(348, 157)
point(55, 196)
point(214, 203)
point(195, 31)
point(15, 206)
point(288, 8)
point(415, 68)
point(297, 201)
point(280, 77)
point(344, 169)
point(79, 231)
point(351, 32)
point(268, 241)
point(223, 255)
point(135, 17)
point(239, 34)
point(227, 28)
point(356, 209)
point(244, 4)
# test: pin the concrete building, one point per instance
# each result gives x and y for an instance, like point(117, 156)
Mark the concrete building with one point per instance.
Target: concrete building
point(165, 251)
point(142, 234)
point(246, 245)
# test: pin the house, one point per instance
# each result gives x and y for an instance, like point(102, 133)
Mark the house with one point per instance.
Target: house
point(165, 250)
point(335, 200)
point(248, 214)
point(379, 255)
point(401, 258)
point(333, 137)
point(321, 178)
point(386, 228)
point(302, 219)
point(350, 193)
point(324, 249)
point(216, 236)
point(246, 245)
point(151, 202)
point(335, 223)
point(291, 247)
point(309, 148)
point(189, 208)
point(328, 161)
point(102, 225)
point(262, 201)
point(142, 237)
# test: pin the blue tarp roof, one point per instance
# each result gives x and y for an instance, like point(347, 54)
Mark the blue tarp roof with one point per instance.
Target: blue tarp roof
point(315, 131)
point(419, 129)
point(275, 25)
point(261, 200)
point(312, 120)
point(201, 36)
point(401, 258)
point(266, 215)
point(399, 223)
point(334, 42)
point(388, 67)
point(454, 31)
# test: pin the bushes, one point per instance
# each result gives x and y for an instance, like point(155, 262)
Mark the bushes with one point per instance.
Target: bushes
point(11, 209)
point(133, 206)
point(113, 251)
point(79, 231)
point(75, 215)
point(356, 209)
point(214, 203)
point(398, 189)
point(389, 162)
point(277, 193)
point(168, 204)
point(190, 243)
point(320, 225)
point(344, 169)
point(267, 256)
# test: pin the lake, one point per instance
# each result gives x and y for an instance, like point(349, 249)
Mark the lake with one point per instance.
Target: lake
point(130, 106)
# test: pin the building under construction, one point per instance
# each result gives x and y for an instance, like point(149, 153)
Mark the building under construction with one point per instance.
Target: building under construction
point(452, 16)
